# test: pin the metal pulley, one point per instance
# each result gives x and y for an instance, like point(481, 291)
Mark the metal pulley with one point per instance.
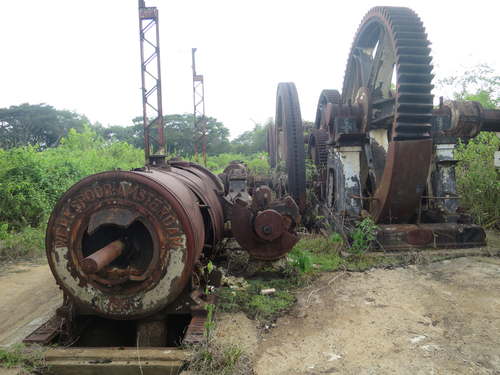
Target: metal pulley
point(262, 225)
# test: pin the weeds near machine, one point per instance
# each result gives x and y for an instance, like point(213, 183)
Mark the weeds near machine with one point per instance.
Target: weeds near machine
point(362, 236)
point(26, 361)
point(216, 359)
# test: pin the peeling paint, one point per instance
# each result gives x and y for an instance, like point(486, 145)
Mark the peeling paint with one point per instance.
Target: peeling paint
point(144, 301)
point(347, 166)
point(444, 152)
point(379, 136)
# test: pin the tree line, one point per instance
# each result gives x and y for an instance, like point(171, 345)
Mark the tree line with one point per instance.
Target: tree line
point(43, 126)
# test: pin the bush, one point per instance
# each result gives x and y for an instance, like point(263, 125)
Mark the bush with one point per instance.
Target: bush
point(478, 180)
point(25, 243)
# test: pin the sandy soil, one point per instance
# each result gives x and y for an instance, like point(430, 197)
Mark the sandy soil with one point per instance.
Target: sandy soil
point(28, 297)
point(442, 318)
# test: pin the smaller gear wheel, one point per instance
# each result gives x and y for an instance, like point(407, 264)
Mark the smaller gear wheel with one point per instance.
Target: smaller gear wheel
point(318, 147)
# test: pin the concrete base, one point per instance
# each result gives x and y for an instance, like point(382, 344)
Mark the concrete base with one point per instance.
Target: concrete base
point(115, 361)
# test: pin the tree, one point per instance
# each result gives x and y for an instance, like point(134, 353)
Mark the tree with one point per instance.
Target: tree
point(251, 141)
point(37, 124)
point(181, 135)
point(133, 135)
point(179, 132)
point(479, 83)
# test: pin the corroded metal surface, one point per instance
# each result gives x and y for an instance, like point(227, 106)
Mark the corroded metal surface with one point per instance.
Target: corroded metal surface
point(164, 242)
point(317, 147)
point(438, 235)
point(44, 334)
point(391, 36)
point(256, 246)
point(101, 258)
point(269, 225)
point(326, 97)
point(207, 190)
point(403, 182)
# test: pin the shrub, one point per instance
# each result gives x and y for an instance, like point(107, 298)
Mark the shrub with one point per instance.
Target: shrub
point(478, 180)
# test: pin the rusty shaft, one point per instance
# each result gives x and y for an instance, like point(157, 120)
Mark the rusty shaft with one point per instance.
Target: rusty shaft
point(101, 258)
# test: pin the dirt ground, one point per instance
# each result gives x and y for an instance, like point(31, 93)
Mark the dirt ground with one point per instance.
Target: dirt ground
point(28, 297)
point(440, 318)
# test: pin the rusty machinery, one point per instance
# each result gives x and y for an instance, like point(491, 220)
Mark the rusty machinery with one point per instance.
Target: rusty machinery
point(128, 248)
point(381, 149)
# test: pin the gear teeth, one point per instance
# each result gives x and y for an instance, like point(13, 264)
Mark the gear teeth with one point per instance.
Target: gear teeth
point(413, 109)
point(319, 138)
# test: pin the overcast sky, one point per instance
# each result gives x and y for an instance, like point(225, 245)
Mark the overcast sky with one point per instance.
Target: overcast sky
point(83, 55)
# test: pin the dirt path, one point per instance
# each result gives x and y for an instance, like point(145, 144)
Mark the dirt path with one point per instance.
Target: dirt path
point(442, 318)
point(28, 297)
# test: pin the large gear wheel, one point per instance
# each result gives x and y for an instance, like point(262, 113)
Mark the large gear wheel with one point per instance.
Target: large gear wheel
point(326, 96)
point(289, 138)
point(392, 40)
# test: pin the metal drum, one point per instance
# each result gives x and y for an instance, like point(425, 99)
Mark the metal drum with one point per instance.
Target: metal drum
point(123, 245)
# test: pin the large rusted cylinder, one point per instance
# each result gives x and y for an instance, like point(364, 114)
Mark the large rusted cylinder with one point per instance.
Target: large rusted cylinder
point(164, 217)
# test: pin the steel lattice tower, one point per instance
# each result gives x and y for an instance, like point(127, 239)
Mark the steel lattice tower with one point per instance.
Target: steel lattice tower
point(152, 112)
point(199, 120)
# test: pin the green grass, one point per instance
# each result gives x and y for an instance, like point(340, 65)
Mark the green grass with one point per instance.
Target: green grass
point(310, 256)
point(27, 361)
point(261, 307)
point(216, 359)
point(317, 253)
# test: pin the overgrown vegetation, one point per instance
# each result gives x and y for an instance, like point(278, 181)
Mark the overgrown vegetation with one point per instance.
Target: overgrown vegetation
point(217, 359)
point(478, 180)
point(310, 256)
point(265, 308)
point(27, 361)
point(363, 236)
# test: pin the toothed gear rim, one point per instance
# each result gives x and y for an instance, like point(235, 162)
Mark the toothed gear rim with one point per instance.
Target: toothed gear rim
point(290, 140)
point(413, 99)
point(318, 147)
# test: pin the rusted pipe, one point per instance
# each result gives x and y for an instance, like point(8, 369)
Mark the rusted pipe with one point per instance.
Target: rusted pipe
point(491, 120)
point(101, 258)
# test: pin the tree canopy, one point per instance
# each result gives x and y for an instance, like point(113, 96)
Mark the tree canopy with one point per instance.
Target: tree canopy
point(251, 141)
point(36, 124)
